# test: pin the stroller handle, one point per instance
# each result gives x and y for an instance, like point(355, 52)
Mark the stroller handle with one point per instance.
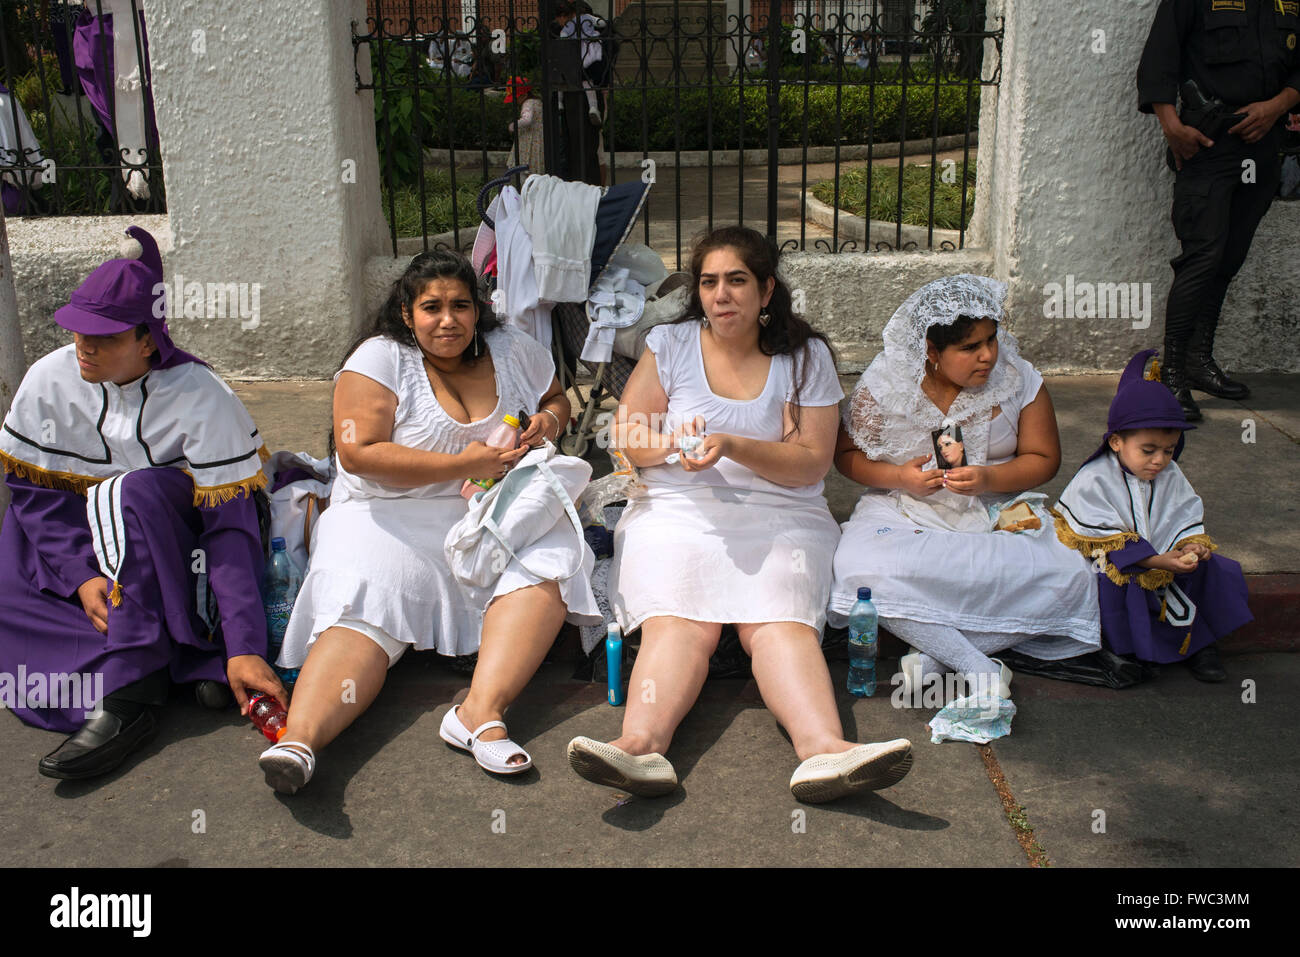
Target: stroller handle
point(491, 185)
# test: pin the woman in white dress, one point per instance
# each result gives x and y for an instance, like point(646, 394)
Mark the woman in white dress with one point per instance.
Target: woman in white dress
point(737, 531)
point(413, 404)
point(921, 537)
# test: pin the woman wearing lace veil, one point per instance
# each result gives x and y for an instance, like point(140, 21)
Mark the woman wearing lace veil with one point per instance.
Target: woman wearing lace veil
point(920, 536)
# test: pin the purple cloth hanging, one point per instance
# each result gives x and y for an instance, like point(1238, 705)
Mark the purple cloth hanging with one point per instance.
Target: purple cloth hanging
point(92, 52)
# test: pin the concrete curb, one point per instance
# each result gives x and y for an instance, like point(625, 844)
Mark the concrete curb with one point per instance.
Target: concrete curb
point(855, 227)
point(1275, 602)
point(788, 156)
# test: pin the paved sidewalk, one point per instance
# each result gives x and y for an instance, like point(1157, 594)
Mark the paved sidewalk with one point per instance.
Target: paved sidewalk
point(1184, 773)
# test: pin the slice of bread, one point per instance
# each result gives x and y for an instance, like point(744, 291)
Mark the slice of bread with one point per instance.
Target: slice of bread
point(1018, 518)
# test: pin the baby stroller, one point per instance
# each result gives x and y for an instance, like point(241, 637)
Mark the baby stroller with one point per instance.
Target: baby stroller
point(598, 340)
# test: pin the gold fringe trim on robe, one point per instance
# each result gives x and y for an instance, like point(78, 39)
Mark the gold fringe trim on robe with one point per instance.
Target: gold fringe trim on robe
point(1201, 539)
point(209, 496)
point(115, 596)
point(1093, 548)
point(1154, 578)
point(66, 481)
point(212, 496)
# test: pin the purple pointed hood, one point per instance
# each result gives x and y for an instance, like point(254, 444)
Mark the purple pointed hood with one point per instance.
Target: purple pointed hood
point(1142, 403)
point(122, 294)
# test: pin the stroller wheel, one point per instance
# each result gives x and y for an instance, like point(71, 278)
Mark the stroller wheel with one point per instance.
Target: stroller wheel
point(574, 443)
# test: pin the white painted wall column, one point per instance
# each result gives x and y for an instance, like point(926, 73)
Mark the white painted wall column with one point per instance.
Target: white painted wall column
point(271, 172)
point(1072, 183)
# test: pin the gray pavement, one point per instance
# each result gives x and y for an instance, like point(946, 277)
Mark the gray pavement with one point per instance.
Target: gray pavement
point(1185, 773)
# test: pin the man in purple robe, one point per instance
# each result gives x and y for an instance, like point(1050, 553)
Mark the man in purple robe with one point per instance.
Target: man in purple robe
point(133, 470)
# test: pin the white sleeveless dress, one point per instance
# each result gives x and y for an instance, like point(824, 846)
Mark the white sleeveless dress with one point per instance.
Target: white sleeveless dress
point(724, 545)
point(377, 554)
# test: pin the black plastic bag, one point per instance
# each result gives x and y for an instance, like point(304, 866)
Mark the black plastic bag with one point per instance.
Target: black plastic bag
point(1102, 668)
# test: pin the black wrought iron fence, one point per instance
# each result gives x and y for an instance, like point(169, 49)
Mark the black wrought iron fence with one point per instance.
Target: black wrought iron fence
point(77, 130)
point(847, 125)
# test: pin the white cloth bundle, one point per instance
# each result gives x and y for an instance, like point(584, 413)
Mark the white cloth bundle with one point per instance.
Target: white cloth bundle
point(616, 302)
point(296, 507)
point(11, 153)
point(516, 279)
point(560, 218)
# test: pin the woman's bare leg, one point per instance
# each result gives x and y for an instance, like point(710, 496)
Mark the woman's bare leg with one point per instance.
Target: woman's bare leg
point(340, 679)
point(795, 684)
point(669, 672)
point(518, 629)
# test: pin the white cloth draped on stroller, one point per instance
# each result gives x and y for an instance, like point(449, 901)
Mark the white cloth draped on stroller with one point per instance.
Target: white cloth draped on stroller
point(627, 292)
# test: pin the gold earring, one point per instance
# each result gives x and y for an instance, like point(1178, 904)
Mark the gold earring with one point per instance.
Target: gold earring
point(764, 317)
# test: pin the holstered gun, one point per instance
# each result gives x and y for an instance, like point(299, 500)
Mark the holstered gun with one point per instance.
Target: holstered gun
point(1208, 114)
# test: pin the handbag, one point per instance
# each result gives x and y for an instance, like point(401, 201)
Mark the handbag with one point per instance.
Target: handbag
point(535, 497)
point(300, 491)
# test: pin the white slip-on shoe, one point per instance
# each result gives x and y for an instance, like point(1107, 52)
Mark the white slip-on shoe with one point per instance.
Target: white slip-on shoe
point(287, 766)
point(910, 667)
point(868, 767)
point(645, 775)
point(1004, 678)
point(491, 755)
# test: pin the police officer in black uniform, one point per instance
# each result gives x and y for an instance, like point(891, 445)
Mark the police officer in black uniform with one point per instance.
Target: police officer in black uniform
point(1242, 53)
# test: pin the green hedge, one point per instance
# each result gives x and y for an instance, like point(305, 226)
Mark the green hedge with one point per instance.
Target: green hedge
point(677, 120)
point(681, 123)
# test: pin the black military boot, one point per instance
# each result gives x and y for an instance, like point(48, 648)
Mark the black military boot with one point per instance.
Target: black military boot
point(1173, 374)
point(1203, 372)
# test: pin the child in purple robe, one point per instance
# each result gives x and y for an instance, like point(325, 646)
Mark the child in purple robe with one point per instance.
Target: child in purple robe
point(132, 469)
point(1165, 596)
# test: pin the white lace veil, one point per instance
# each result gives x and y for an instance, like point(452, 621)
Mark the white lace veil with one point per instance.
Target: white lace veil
point(889, 417)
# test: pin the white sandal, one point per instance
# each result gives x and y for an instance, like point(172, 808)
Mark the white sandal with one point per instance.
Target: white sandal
point(287, 766)
point(490, 755)
point(868, 767)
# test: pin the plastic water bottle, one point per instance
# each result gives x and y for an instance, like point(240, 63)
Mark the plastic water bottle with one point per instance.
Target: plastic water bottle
point(614, 663)
point(279, 591)
point(862, 645)
point(268, 715)
point(504, 436)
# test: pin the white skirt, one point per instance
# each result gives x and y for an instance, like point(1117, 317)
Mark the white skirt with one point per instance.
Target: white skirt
point(990, 581)
point(708, 554)
point(380, 561)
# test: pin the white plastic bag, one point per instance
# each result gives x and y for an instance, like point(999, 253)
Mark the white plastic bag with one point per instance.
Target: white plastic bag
point(535, 497)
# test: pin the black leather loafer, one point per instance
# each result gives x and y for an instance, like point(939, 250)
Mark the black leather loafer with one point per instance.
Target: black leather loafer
point(213, 695)
point(1206, 666)
point(101, 744)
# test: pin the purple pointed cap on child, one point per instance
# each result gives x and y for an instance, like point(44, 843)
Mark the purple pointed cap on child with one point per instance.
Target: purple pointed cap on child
point(1142, 403)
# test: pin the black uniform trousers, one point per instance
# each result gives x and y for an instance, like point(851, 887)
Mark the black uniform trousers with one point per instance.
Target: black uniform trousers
point(1215, 216)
